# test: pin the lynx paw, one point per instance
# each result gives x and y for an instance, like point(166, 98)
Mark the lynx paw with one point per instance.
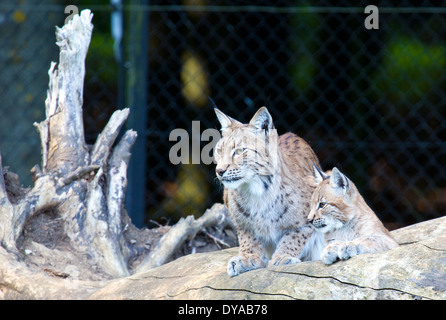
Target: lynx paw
point(280, 261)
point(240, 264)
point(338, 250)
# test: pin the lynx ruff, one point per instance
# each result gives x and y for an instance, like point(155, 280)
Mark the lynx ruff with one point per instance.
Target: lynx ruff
point(266, 193)
point(349, 225)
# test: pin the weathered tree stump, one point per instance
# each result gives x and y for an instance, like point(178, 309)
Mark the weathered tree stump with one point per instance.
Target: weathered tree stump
point(72, 223)
point(81, 185)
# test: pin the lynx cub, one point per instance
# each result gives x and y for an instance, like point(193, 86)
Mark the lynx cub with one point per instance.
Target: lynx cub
point(265, 192)
point(341, 214)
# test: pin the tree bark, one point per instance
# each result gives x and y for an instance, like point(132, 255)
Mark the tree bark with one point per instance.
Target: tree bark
point(83, 186)
point(185, 229)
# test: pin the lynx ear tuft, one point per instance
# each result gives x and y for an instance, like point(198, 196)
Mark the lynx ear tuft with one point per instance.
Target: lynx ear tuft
point(319, 174)
point(262, 120)
point(213, 105)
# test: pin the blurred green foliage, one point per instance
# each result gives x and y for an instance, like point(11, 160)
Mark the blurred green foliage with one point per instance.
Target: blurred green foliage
point(100, 57)
point(100, 54)
point(409, 70)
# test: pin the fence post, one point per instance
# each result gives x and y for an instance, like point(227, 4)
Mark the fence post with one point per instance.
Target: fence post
point(136, 99)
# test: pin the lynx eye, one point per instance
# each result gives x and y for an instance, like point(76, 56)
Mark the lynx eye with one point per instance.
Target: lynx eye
point(239, 151)
point(322, 204)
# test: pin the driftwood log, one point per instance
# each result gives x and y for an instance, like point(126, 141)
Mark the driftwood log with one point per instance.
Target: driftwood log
point(415, 270)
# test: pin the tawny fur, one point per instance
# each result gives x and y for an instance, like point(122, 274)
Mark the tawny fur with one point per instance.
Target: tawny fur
point(266, 192)
point(349, 225)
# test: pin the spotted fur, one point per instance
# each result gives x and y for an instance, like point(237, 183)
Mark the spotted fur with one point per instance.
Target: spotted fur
point(266, 193)
point(349, 225)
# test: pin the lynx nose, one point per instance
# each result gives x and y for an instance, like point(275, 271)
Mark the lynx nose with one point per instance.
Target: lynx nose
point(220, 172)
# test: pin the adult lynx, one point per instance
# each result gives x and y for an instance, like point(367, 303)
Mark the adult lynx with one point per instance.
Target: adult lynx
point(266, 192)
point(341, 214)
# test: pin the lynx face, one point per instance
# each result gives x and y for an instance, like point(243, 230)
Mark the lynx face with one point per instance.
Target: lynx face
point(350, 225)
point(330, 202)
point(246, 153)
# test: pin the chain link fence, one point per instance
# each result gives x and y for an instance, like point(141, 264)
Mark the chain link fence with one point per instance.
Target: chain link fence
point(369, 101)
